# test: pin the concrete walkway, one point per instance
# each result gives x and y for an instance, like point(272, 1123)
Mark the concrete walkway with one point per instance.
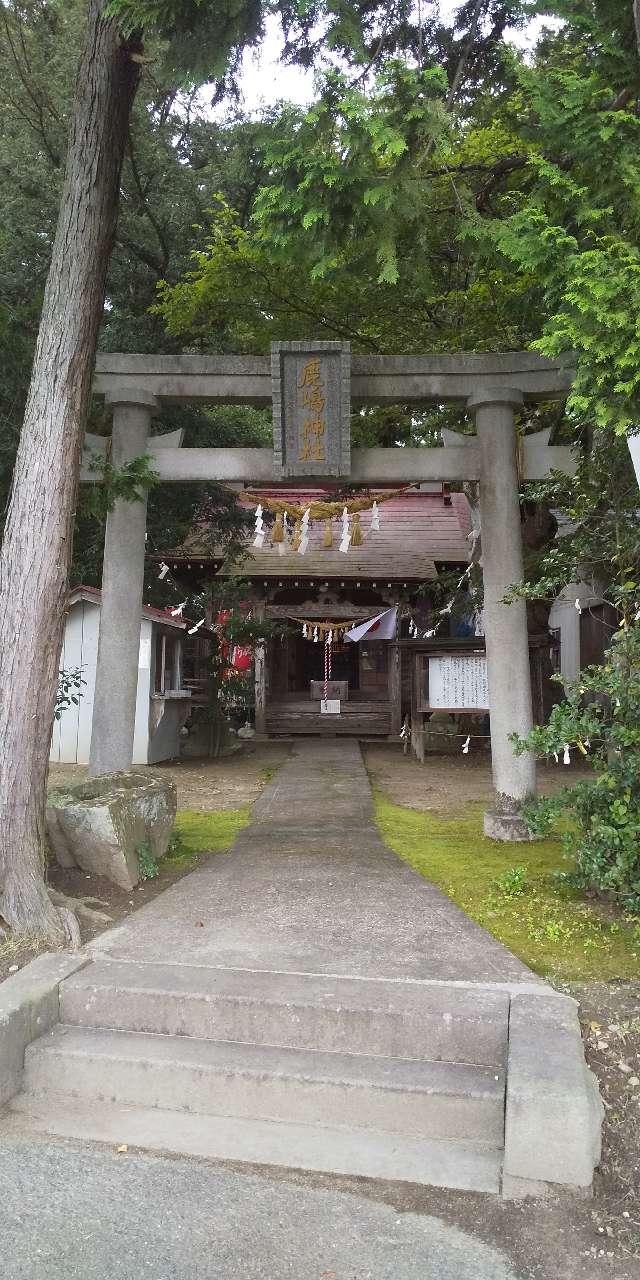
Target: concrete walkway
point(69, 1214)
point(307, 1002)
point(310, 887)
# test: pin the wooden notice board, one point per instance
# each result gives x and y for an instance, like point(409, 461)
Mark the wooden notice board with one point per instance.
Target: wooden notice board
point(452, 682)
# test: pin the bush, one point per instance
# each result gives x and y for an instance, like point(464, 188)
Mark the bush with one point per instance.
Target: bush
point(601, 719)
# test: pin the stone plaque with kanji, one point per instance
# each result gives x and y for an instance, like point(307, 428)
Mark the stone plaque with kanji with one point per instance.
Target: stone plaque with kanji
point(311, 408)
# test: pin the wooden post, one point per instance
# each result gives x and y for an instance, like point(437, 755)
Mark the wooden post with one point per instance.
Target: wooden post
point(395, 690)
point(417, 716)
point(260, 671)
point(260, 676)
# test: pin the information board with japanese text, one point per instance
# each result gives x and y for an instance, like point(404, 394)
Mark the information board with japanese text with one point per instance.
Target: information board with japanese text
point(458, 682)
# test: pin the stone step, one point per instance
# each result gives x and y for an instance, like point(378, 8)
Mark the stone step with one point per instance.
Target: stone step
point(424, 1100)
point(299, 1011)
point(261, 1142)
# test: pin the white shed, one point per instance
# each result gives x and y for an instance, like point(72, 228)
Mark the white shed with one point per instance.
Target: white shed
point(163, 704)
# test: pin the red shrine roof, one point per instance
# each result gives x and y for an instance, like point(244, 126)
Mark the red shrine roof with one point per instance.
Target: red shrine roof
point(418, 531)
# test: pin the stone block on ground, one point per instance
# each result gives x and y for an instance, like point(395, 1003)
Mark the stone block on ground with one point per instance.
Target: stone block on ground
point(100, 825)
point(553, 1108)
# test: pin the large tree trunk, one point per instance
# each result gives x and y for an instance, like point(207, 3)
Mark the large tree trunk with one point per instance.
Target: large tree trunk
point(36, 552)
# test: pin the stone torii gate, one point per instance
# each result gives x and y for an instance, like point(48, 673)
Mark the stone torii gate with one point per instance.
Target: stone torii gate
point(313, 442)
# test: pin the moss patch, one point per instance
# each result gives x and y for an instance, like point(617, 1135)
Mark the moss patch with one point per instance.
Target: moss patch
point(197, 833)
point(555, 932)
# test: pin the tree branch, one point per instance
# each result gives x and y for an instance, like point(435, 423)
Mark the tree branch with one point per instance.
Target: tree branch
point(166, 254)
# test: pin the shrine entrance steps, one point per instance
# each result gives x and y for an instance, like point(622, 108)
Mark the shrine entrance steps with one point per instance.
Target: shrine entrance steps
point(306, 1001)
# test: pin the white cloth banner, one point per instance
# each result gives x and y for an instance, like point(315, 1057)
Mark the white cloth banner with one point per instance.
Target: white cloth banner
point(382, 627)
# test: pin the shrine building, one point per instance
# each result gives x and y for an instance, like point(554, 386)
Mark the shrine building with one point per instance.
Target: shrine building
point(413, 562)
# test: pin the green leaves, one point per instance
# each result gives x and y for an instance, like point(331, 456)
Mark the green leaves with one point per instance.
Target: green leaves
point(601, 719)
point(349, 169)
point(202, 39)
point(577, 224)
point(130, 483)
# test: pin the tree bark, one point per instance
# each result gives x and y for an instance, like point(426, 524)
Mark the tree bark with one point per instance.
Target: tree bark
point(36, 552)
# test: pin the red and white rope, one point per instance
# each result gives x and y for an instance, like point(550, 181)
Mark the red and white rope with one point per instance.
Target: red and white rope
point(328, 639)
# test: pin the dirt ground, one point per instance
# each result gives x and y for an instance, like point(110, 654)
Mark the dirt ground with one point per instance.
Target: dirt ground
point(228, 783)
point(558, 1239)
point(443, 783)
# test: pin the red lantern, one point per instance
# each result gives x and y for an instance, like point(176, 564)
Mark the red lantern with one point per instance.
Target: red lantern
point(241, 658)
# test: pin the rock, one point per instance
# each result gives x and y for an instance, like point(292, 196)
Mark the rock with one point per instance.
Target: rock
point(99, 825)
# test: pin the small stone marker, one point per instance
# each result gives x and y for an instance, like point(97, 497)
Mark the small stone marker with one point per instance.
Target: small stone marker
point(311, 408)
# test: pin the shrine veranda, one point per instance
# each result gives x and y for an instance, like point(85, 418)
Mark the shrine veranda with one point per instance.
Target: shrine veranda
point(312, 388)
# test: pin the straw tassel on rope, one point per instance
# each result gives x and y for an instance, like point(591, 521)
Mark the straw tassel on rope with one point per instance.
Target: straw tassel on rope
point(356, 531)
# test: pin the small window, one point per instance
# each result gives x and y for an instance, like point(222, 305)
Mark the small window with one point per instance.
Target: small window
point(167, 672)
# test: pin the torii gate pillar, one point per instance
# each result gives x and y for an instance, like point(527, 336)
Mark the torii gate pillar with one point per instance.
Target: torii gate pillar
point(114, 702)
point(505, 625)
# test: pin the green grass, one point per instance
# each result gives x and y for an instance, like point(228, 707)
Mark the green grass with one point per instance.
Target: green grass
point(556, 932)
point(269, 772)
point(197, 833)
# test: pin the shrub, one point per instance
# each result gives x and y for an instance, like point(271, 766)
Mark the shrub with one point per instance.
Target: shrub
point(600, 717)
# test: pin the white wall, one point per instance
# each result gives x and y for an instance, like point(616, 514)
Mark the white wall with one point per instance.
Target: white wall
point(71, 737)
point(72, 732)
point(145, 666)
point(565, 618)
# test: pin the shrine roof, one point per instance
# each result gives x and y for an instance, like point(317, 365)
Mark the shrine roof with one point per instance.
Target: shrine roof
point(418, 531)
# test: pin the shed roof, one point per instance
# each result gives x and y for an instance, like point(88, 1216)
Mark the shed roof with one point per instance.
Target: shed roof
point(418, 531)
point(94, 596)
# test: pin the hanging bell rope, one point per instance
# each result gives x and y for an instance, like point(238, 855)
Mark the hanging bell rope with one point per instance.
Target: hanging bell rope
point(328, 640)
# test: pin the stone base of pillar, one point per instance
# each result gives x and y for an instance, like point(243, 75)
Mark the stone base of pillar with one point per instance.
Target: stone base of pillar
point(508, 827)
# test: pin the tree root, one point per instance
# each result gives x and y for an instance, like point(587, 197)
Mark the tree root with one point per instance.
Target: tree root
point(70, 912)
point(71, 927)
point(83, 908)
